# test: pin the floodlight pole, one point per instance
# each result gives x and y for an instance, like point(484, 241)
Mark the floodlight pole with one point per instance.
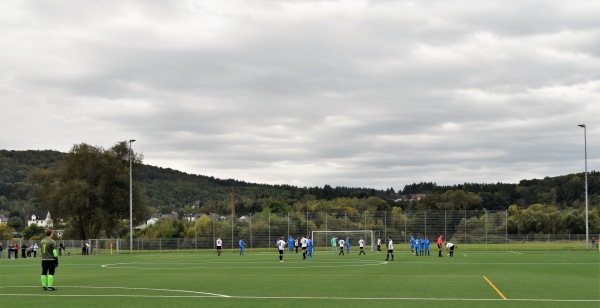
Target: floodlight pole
point(586, 188)
point(130, 198)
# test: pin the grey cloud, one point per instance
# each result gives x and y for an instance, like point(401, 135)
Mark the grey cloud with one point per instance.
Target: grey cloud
point(372, 93)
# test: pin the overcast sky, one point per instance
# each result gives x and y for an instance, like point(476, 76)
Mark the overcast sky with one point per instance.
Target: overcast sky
point(346, 93)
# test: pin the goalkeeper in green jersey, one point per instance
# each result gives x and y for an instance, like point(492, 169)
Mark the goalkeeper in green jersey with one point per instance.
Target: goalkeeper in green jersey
point(49, 261)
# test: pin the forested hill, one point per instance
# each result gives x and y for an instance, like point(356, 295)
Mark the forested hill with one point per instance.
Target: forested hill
point(167, 190)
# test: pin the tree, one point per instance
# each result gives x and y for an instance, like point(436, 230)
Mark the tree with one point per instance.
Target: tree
point(6, 232)
point(15, 222)
point(451, 200)
point(89, 190)
point(33, 232)
point(278, 206)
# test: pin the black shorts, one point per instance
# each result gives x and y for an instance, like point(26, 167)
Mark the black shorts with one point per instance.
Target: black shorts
point(218, 247)
point(452, 248)
point(390, 251)
point(48, 267)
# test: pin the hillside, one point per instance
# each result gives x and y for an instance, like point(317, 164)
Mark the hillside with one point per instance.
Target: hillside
point(167, 190)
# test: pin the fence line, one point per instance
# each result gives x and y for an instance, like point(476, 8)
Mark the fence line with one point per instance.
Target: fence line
point(260, 230)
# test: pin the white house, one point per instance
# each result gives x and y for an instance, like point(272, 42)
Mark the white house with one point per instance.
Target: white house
point(41, 220)
point(3, 220)
point(156, 217)
point(192, 216)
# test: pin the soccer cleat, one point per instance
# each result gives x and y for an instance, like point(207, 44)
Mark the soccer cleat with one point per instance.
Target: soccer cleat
point(45, 288)
point(51, 289)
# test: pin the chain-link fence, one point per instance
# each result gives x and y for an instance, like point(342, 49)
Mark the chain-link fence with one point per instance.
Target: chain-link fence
point(477, 230)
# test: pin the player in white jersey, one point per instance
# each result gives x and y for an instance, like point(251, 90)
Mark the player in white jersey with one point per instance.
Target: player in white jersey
point(361, 244)
point(219, 246)
point(342, 243)
point(390, 249)
point(304, 244)
point(378, 245)
point(450, 247)
point(281, 247)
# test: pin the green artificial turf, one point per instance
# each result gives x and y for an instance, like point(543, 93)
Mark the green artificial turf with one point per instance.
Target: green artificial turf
point(470, 279)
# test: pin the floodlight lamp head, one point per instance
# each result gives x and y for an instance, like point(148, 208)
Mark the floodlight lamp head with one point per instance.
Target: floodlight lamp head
point(131, 140)
point(581, 125)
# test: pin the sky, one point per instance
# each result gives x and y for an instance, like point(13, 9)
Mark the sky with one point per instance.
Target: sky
point(376, 94)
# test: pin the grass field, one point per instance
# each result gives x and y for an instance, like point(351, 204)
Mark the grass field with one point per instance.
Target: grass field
point(258, 279)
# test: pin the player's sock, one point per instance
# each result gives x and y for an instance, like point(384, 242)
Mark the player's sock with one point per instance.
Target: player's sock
point(50, 281)
point(44, 281)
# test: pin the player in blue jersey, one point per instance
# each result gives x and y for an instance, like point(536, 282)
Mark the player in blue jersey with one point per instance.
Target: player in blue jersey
point(412, 244)
point(416, 246)
point(347, 245)
point(310, 247)
point(290, 244)
point(427, 246)
point(242, 246)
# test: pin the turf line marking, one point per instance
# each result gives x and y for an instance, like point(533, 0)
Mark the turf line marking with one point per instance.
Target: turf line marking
point(493, 286)
point(543, 300)
point(465, 254)
point(195, 293)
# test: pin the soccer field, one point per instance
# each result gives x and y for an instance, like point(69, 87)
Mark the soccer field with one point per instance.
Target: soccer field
point(258, 279)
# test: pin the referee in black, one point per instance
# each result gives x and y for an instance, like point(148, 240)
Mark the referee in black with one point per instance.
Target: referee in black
point(49, 261)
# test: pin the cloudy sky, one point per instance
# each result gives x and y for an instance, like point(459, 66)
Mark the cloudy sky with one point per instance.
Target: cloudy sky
point(347, 93)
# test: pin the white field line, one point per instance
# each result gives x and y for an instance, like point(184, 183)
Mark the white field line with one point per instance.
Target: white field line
point(196, 294)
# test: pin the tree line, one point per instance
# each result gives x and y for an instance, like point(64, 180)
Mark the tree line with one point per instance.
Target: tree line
point(89, 188)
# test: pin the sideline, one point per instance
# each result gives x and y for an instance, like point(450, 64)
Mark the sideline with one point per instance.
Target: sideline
point(198, 294)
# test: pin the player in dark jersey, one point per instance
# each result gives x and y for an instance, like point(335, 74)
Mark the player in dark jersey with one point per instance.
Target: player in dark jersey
point(49, 261)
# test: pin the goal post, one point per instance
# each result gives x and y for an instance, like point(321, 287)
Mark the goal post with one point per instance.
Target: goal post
point(322, 239)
